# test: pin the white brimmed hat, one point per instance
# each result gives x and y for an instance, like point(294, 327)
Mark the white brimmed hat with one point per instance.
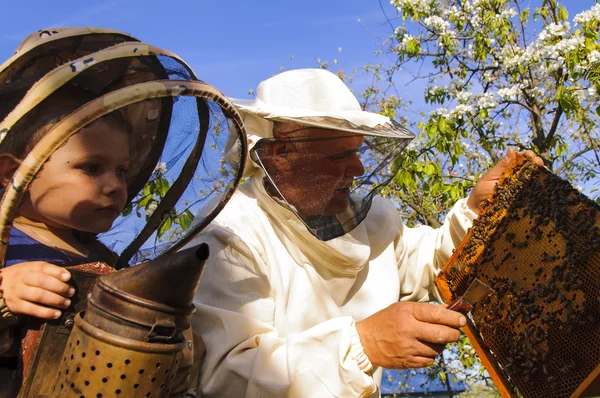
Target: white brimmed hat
point(317, 97)
point(311, 97)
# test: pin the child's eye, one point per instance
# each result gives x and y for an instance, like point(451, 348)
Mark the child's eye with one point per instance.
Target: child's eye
point(91, 168)
point(122, 171)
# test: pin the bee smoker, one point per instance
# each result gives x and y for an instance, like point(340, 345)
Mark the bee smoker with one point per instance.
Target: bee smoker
point(129, 340)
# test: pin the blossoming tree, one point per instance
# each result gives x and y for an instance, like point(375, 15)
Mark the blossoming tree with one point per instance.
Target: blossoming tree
point(497, 74)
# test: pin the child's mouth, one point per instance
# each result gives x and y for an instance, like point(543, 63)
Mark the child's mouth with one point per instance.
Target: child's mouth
point(109, 210)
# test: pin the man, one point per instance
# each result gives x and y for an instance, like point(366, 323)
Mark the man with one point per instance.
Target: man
point(306, 290)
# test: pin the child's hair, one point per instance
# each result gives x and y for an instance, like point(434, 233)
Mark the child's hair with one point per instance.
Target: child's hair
point(30, 129)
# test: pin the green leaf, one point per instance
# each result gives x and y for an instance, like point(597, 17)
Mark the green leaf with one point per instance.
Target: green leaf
point(563, 14)
point(429, 169)
point(164, 226)
point(442, 125)
point(524, 15)
point(162, 186)
point(145, 201)
point(127, 210)
point(432, 129)
point(455, 193)
point(185, 220)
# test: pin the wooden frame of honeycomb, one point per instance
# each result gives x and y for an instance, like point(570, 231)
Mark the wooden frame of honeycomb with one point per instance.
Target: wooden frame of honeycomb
point(536, 242)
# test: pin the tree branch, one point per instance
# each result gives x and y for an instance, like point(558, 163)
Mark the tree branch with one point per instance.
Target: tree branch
point(570, 159)
point(554, 126)
point(432, 222)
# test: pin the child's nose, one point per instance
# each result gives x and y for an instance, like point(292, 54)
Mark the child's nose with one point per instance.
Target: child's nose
point(113, 184)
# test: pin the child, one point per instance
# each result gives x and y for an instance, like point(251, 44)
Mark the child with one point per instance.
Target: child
point(82, 188)
point(84, 185)
point(79, 192)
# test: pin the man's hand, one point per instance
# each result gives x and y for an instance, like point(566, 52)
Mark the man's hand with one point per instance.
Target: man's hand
point(488, 181)
point(36, 288)
point(408, 335)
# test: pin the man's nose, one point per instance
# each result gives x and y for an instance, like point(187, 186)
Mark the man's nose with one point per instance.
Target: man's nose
point(355, 167)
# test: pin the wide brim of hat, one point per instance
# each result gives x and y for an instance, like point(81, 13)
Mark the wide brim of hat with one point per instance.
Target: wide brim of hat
point(353, 121)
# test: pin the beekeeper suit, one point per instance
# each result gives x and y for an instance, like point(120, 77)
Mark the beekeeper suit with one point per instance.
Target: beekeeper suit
point(300, 294)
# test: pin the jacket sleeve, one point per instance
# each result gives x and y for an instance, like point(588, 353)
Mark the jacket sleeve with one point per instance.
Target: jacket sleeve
point(422, 251)
point(246, 356)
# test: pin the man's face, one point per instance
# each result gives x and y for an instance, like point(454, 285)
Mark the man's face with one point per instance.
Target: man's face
point(316, 170)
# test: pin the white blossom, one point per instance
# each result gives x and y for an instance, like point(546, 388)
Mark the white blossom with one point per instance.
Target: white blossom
point(161, 168)
point(404, 43)
point(437, 24)
point(463, 96)
point(594, 56)
point(436, 90)
point(554, 30)
point(441, 112)
point(423, 6)
point(509, 12)
point(489, 77)
point(592, 14)
point(509, 94)
point(151, 207)
point(461, 110)
point(486, 101)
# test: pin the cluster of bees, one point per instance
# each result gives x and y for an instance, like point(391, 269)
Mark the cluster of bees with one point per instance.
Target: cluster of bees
point(537, 244)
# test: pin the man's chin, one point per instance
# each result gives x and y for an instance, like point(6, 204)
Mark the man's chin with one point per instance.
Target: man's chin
point(337, 207)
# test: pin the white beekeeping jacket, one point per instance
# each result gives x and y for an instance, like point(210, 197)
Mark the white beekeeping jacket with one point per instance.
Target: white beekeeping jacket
point(278, 321)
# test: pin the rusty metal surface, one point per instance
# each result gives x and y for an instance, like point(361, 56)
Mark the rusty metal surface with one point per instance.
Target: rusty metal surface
point(96, 363)
point(131, 318)
point(44, 342)
point(151, 301)
point(537, 244)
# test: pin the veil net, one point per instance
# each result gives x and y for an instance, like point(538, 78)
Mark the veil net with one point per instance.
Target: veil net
point(328, 178)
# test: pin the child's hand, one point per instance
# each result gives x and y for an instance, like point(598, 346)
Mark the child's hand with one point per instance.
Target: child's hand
point(30, 288)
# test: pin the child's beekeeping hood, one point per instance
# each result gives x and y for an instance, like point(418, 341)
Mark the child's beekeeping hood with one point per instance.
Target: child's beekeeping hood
point(187, 144)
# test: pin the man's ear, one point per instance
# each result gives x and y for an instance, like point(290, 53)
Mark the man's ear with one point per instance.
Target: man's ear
point(8, 165)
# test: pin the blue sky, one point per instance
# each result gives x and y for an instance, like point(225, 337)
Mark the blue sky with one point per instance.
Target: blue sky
point(233, 44)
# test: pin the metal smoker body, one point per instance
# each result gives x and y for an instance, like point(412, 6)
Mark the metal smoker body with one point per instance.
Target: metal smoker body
point(129, 340)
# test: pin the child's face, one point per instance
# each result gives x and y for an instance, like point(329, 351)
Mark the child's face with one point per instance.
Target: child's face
point(83, 185)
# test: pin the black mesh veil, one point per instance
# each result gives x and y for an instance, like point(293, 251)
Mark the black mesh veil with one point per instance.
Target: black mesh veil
point(327, 177)
point(43, 51)
point(195, 174)
point(185, 141)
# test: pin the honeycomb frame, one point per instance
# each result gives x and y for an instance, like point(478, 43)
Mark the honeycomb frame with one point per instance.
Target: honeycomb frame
point(536, 242)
